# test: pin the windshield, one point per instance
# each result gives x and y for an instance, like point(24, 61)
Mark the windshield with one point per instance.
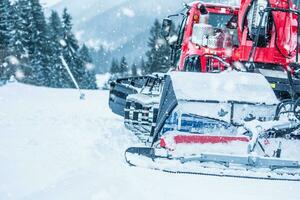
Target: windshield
point(219, 20)
point(214, 33)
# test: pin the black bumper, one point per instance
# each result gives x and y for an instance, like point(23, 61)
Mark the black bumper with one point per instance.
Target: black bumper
point(282, 86)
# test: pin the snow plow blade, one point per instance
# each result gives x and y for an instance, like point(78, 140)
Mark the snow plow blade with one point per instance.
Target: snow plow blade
point(141, 151)
point(222, 165)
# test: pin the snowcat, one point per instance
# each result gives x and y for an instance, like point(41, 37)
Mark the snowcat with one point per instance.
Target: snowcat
point(231, 107)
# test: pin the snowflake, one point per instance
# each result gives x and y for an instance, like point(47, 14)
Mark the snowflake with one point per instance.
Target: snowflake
point(128, 12)
point(63, 43)
point(13, 60)
point(5, 64)
point(19, 74)
point(89, 66)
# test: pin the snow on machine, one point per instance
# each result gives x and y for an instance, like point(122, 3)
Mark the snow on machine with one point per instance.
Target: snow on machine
point(227, 128)
point(218, 113)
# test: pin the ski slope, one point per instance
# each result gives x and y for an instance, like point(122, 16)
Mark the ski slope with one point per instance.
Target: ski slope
point(54, 146)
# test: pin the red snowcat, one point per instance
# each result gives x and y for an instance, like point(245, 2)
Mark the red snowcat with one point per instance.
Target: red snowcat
point(230, 107)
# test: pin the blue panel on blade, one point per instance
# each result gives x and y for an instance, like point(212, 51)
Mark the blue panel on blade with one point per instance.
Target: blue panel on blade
point(196, 124)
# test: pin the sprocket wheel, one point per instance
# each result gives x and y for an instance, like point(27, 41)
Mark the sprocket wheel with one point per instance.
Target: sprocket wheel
point(286, 108)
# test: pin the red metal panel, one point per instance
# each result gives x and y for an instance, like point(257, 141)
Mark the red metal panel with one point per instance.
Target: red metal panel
point(202, 139)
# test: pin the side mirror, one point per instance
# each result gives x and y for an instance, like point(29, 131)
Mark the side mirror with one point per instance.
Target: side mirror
point(166, 27)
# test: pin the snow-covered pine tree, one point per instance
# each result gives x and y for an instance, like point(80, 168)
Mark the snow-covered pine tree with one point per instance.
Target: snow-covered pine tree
point(19, 44)
point(28, 41)
point(101, 59)
point(4, 28)
point(89, 79)
point(34, 48)
point(5, 35)
point(40, 52)
point(123, 67)
point(119, 69)
point(70, 50)
point(114, 69)
point(159, 52)
point(142, 66)
point(134, 70)
point(59, 76)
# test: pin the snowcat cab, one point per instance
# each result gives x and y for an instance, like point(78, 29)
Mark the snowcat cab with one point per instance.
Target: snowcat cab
point(206, 37)
point(259, 36)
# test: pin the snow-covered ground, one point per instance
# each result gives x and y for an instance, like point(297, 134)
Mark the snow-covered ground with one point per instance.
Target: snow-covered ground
point(54, 146)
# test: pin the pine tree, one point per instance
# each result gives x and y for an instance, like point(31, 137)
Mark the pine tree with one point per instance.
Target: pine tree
point(89, 79)
point(143, 66)
point(85, 54)
point(5, 35)
point(35, 47)
point(59, 75)
point(25, 27)
point(114, 69)
point(22, 30)
point(40, 51)
point(70, 49)
point(77, 59)
point(70, 40)
point(29, 41)
point(5, 28)
point(123, 67)
point(134, 70)
point(101, 59)
point(158, 55)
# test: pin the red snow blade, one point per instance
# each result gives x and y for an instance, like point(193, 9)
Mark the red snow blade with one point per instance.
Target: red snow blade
point(202, 139)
